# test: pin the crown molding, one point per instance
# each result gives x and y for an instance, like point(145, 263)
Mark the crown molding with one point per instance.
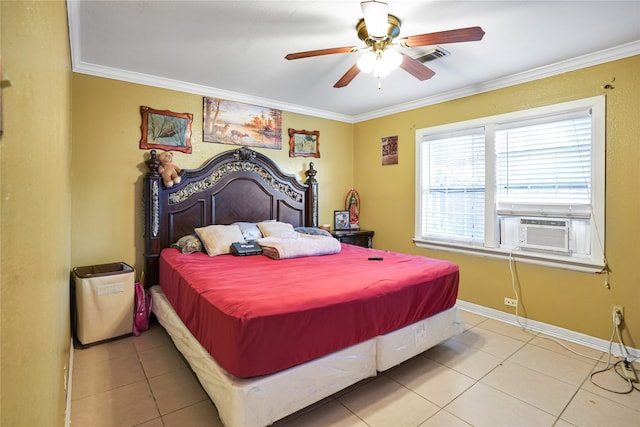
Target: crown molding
point(596, 58)
point(161, 82)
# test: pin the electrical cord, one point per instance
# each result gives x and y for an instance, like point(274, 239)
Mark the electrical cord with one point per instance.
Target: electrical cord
point(632, 387)
point(614, 332)
point(513, 288)
point(623, 348)
point(524, 325)
point(621, 375)
point(513, 283)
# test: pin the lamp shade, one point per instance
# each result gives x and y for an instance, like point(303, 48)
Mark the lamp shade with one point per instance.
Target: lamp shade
point(375, 18)
point(381, 63)
point(380, 70)
point(367, 61)
point(391, 59)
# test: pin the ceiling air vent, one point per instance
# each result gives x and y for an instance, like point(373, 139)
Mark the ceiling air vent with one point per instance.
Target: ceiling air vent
point(433, 53)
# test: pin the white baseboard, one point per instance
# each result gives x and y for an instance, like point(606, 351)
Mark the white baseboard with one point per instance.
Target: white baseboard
point(67, 411)
point(547, 329)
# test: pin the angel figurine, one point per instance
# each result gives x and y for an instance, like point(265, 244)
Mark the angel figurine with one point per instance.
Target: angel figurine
point(352, 204)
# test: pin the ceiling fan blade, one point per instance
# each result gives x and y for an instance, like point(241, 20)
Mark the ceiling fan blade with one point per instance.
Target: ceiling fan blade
point(320, 52)
point(416, 68)
point(348, 76)
point(451, 36)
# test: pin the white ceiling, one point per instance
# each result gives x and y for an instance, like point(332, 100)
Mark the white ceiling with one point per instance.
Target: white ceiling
point(235, 49)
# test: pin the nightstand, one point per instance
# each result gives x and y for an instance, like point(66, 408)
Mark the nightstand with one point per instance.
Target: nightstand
point(362, 238)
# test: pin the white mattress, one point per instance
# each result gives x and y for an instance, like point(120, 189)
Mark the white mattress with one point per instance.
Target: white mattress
point(263, 400)
point(397, 346)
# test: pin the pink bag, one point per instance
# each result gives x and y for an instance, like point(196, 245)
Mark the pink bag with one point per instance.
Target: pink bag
point(142, 309)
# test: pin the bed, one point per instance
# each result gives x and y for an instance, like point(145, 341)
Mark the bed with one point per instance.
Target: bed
point(267, 337)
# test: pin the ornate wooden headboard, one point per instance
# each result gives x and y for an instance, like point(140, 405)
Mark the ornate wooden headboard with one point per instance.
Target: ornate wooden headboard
point(236, 185)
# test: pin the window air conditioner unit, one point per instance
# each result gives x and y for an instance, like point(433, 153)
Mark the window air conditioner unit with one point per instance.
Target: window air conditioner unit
point(544, 234)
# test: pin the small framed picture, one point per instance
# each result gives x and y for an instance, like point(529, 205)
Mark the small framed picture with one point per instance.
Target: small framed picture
point(165, 130)
point(304, 143)
point(341, 220)
point(390, 150)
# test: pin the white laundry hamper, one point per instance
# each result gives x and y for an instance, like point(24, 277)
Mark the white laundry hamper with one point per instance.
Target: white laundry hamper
point(104, 299)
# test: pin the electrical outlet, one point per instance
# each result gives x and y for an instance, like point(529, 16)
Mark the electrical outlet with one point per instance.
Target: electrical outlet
point(510, 302)
point(618, 314)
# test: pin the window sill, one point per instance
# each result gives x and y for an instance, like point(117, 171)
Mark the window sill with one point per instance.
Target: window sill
point(584, 265)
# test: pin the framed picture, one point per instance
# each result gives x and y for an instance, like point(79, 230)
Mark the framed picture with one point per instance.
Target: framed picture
point(304, 143)
point(341, 220)
point(166, 130)
point(236, 123)
point(389, 150)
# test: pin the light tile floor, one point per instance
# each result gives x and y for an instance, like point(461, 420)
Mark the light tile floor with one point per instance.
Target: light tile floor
point(494, 374)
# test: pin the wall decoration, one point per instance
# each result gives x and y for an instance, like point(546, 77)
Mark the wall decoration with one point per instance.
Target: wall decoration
point(165, 130)
point(304, 143)
point(236, 123)
point(389, 150)
point(341, 220)
point(352, 204)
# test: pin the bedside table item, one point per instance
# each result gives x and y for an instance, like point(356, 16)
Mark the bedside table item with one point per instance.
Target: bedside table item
point(362, 238)
point(341, 221)
point(352, 204)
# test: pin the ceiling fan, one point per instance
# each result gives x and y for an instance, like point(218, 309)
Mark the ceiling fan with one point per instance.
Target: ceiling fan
point(379, 30)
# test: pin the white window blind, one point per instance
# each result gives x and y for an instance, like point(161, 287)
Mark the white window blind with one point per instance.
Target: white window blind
point(453, 189)
point(544, 163)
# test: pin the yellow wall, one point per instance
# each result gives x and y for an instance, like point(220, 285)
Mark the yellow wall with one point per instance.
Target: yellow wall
point(575, 301)
point(36, 212)
point(107, 219)
point(108, 164)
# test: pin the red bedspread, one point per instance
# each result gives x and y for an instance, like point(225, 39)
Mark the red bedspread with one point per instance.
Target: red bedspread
point(256, 315)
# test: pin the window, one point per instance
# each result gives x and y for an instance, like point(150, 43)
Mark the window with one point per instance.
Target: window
point(454, 186)
point(528, 184)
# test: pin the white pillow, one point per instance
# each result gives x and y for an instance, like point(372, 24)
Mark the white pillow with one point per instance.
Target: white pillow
point(250, 230)
point(217, 239)
point(275, 228)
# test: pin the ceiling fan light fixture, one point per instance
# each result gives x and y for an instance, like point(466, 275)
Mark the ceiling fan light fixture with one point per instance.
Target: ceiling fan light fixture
point(391, 59)
point(375, 18)
point(380, 70)
point(380, 62)
point(367, 61)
